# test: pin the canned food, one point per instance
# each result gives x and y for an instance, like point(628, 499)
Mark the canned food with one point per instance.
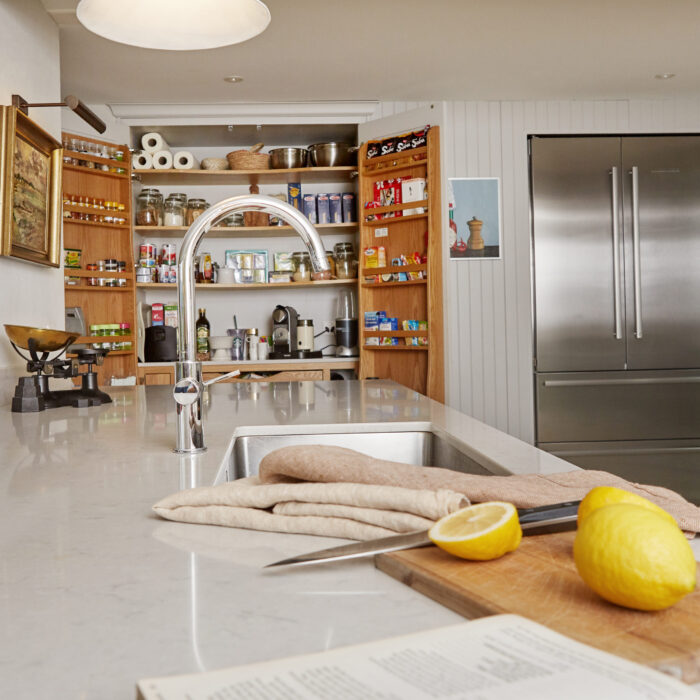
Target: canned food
point(168, 254)
point(147, 251)
point(147, 262)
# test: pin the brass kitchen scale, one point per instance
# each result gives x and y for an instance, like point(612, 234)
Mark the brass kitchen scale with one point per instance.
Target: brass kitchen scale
point(32, 393)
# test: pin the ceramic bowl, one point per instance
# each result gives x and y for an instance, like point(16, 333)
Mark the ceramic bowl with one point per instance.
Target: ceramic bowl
point(220, 342)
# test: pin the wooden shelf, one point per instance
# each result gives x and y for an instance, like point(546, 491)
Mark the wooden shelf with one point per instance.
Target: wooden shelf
point(394, 208)
point(80, 272)
point(80, 288)
point(248, 177)
point(83, 339)
point(111, 353)
point(242, 231)
point(411, 153)
point(241, 287)
point(395, 334)
point(395, 220)
point(96, 171)
point(395, 347)
point(414, 267)
point(95, 159)
point(392, 284)
point(95, 224)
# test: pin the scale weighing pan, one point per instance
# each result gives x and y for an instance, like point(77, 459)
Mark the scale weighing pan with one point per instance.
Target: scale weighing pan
point(45, 339)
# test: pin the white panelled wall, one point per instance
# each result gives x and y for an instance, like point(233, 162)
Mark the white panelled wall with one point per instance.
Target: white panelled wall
point(488, 316)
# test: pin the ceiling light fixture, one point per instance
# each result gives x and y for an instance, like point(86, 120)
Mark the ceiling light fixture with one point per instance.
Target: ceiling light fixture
point(175, 25)
point(233, 79)
point(665, 76)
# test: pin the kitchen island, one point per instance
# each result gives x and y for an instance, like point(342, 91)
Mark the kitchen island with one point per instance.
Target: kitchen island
point(97, 592)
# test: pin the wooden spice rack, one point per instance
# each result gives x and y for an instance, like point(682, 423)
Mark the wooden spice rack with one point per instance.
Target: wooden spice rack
point(420, 367)
point(100, 241)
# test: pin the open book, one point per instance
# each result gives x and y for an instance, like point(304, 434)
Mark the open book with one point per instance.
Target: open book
point(493, 658)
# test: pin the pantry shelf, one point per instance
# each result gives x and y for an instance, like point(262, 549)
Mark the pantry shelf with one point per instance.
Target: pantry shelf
point(79, 272)
point(420, 348)
point(259, 285)
point(395, 220)
point(95, 171)
point(393, 284)
point(95, 224)
point(249, 177)
point(396, 334)
point(79, 288)
point(242, 231)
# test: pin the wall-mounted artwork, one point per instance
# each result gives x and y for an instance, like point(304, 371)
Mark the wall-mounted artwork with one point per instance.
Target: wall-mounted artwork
point(30, 192)
point(474, 218)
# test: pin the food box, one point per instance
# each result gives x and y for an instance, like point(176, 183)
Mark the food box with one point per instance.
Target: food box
point(323, 208)
point(283, 262)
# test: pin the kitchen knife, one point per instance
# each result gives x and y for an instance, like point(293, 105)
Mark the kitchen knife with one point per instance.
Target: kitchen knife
point(533, 521)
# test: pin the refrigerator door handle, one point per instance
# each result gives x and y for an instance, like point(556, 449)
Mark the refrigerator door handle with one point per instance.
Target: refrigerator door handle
point(620, 382)
point(636, 254)
point(616, 253)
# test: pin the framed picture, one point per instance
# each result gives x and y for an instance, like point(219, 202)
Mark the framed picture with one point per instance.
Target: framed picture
point(30, 190)
point(474, 218)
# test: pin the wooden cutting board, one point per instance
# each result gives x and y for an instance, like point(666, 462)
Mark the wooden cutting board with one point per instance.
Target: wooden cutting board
point(539, 581)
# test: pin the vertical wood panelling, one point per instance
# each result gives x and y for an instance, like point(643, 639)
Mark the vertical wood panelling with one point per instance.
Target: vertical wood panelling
point(488, 318)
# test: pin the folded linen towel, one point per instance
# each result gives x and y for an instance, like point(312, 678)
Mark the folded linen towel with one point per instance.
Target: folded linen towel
point(321, 463)
point(351, 511)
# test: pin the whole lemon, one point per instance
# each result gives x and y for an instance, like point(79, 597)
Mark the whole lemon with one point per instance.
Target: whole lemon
point(607, 495)
point(634, 557)
point(484, 531)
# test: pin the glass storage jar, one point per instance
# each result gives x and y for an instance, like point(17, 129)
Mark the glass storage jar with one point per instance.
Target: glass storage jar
point(146, 209)
point(331, 263)
point(195, 207)
point(302, 266)
point(345, 264)
point(174, 212)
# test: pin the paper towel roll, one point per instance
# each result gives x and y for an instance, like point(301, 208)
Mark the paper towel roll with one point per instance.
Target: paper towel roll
point(142, 161)
point(153, 142)
point(163, 160)
point(184, 160)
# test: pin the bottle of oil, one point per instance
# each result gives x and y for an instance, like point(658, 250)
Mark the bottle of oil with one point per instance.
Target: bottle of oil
point(203, 332)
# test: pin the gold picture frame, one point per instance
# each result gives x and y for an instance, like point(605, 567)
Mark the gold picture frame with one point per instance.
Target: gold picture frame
point(30, 190)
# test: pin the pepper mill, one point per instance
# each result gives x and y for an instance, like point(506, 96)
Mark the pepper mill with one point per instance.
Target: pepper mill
point(475, 241)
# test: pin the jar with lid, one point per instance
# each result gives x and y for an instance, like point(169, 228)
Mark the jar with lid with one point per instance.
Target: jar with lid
point(302, 266)
point(157, 199)
point(146, 209)
point(345, 264)
point(331, 263)
point(195, 207)
point(174, 212)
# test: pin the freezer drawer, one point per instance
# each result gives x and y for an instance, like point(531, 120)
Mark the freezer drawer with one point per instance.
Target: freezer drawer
point(674, 464)
point(628, 405)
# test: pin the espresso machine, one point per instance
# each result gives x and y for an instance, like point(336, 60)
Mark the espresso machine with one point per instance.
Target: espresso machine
point(32, 393)
point(284, 333)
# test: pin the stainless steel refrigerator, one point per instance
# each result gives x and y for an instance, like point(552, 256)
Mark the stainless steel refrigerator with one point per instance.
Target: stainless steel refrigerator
point(616, 257)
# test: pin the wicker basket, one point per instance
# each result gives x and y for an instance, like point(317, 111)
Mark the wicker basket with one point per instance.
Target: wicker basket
point(245, 160)
point(214, 164)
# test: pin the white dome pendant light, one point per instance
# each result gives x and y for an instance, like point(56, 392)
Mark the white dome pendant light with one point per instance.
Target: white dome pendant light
point(175, 25)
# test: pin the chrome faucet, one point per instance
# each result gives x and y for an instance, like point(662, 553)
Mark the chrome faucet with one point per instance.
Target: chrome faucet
point(188, 370)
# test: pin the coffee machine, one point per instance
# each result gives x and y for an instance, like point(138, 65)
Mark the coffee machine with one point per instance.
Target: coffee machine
point(346, 325)
point(284, 333)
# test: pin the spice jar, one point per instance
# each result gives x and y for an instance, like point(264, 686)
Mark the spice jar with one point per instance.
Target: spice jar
point(345, 264)
point(174, 212)
point(302, 266)
point(195, 207)
point(158, 198)
point(146, 209)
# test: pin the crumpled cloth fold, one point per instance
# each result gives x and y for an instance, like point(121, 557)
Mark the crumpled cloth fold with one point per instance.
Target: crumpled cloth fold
point(350, 511)
point(324, 463)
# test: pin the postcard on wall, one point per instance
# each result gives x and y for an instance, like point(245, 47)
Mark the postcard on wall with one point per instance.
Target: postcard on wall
point(474, 218)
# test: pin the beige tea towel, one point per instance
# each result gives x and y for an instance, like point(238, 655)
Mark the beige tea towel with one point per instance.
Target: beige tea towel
point(321, 463)
point(351, 511)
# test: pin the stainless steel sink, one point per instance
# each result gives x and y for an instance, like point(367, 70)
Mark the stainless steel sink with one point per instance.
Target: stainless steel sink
point(419, 447)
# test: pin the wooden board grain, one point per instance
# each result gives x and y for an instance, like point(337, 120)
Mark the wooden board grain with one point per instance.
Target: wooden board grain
point(539, 581)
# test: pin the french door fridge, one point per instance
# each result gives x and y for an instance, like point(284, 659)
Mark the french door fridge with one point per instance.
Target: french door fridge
point(616, 245)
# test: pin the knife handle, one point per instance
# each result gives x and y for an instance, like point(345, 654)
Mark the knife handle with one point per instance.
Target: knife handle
point(544, 513)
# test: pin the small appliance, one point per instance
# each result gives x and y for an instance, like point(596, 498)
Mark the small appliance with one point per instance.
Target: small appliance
point(284, 333)
point(346, 325)
point(305, 340)
point(161, 344)
point(32, 393)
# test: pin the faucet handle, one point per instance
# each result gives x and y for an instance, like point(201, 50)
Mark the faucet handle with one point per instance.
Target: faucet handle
point(221, 378)
point(187, 391)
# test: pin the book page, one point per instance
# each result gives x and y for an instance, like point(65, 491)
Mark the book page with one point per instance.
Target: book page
point(493, 658)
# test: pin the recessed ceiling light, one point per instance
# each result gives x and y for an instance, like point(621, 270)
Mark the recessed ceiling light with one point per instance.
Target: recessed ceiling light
point(233, 79)
point(665, 76)
point(175, 26)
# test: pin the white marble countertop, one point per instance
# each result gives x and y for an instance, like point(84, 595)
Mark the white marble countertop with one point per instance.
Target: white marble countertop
point(96, 592)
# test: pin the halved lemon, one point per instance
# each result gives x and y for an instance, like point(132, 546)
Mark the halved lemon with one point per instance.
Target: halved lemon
point(484, 531)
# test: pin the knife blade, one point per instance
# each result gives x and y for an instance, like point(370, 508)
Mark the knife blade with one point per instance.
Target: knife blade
point(556, 517)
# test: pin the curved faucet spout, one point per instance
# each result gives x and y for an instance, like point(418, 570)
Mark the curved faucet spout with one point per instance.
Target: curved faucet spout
point(188, 371)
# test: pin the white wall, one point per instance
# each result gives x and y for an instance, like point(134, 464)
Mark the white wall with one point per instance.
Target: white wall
point(32, 295)
point(488, 314)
